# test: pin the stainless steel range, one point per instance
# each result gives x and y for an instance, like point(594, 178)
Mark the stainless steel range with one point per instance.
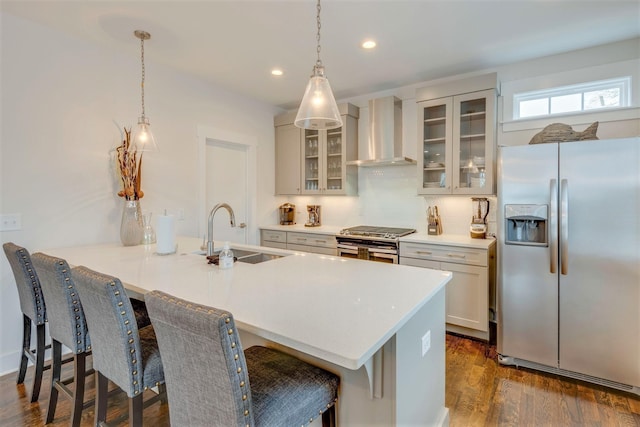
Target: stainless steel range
point(371, 243)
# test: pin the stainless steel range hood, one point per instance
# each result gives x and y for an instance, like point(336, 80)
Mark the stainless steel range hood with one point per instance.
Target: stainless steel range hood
point(385, 134)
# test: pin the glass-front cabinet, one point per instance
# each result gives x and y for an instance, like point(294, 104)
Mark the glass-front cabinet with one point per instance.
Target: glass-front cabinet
point(313, 161)
point(436, 145)
point(324, 166)
point(324, 157)
point(457, 144)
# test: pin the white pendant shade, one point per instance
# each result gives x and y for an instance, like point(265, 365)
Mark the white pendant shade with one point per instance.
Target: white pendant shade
point(318, 109)
point(143, 139)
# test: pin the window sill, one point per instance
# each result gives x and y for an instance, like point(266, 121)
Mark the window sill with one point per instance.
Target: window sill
point(582, 118)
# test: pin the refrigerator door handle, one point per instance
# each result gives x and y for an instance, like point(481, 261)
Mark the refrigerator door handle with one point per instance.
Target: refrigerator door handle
point(564, 226)
point(553, 226)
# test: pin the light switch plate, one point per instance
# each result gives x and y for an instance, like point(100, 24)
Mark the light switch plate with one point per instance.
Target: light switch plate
point(10, 222)
point(426, 342)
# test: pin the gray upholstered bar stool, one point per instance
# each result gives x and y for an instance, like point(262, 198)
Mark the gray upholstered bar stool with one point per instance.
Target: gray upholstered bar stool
point(211, 381)
point(33, 311)
point(122, 353)
point(67, 326)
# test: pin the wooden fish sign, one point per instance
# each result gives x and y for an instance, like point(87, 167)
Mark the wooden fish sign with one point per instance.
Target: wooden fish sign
point(559, 132)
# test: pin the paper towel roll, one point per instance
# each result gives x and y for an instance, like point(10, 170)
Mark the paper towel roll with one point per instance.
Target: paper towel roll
point(165, 235)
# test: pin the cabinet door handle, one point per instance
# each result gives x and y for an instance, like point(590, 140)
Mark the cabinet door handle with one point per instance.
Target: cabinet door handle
point(456, 256)
point(301, 239)
point(322, 242)
point(424, 253)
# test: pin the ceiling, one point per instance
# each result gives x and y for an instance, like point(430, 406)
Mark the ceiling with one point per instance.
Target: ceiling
point(236, 43)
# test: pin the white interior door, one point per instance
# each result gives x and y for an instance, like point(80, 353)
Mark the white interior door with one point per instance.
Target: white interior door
point(227, 172)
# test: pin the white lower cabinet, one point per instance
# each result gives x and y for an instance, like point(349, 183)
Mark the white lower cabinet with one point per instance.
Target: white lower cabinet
point(468, 294)
point(298, 241)
point(312, 242)
point(273, 239)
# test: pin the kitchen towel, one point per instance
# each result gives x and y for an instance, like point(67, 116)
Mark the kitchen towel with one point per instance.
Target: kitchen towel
point(165, 235)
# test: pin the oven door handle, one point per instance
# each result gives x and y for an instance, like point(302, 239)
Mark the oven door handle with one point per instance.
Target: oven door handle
point(354, 248)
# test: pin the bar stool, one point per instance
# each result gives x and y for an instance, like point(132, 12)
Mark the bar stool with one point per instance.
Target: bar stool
point(33, 311)
point(122, 353)
point(211, 381)
point(67, 325)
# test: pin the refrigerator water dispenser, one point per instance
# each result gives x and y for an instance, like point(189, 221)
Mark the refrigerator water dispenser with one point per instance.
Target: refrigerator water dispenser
point(526, 225)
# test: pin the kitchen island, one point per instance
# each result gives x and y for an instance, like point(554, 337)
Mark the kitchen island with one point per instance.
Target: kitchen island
point(380, 327)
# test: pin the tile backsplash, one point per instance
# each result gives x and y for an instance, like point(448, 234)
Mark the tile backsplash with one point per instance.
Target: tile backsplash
point(387, 196)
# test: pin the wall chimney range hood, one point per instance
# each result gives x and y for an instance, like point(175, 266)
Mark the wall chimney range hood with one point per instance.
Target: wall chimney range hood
point(385, 135)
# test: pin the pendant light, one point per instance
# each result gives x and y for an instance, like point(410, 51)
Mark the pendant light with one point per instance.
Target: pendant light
point(143, 139)
point(318, 109)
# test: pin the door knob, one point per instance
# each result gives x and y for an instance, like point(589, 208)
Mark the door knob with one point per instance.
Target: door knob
point(242, 225)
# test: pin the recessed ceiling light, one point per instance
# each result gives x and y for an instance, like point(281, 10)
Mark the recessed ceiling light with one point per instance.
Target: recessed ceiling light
point(368, 44)
point(277, 72)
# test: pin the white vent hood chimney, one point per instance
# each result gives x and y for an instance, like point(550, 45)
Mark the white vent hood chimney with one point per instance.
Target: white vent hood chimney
point(385, 134)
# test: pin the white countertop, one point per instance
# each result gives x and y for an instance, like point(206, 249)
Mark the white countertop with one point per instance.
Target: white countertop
point(337, 309)
point(463, 240)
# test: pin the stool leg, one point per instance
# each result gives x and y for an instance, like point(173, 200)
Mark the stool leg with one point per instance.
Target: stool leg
point(102, 384)
point(79, 375)
point(162, 391)
point(56, 365)
point(26, 347)
point(329, 417)
point(40, 348)
point(135, 411)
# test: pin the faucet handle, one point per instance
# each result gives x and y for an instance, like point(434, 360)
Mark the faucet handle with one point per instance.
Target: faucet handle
point(203, 246)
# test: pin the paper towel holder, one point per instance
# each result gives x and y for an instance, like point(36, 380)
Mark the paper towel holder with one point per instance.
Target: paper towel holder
point(165, 235)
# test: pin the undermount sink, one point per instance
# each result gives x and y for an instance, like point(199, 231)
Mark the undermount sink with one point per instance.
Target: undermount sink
point(238, 253)
point(257, 258)
point(249, 257)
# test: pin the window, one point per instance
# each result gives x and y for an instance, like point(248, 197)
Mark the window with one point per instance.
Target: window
point(612, 93)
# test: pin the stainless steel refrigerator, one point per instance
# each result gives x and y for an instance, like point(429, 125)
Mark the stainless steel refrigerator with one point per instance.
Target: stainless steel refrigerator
point(569, 259)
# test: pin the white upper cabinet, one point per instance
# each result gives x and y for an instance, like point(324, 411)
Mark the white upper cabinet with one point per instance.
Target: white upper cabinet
point(317, 163)
point(457, 146)
point(287, 144)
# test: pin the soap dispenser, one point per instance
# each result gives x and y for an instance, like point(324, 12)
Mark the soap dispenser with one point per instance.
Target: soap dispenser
point(225, 259)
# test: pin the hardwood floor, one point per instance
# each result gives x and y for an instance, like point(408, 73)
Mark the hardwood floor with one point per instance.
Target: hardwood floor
point(479, 392)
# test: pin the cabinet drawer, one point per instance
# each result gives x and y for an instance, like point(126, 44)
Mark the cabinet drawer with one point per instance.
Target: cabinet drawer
point(453, 254)
point(273, 236)
point(311, 239)
point(312, 249)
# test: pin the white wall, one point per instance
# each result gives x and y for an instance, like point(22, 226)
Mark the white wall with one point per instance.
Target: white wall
point(60, 99)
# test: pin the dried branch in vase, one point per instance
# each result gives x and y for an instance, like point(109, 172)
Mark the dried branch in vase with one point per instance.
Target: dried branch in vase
point(130, 168)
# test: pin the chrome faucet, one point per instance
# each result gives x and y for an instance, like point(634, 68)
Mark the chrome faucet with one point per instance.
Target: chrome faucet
point(232, 217)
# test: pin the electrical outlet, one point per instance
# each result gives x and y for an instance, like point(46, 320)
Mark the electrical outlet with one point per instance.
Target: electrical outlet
point(426, 342)
point(10, 222)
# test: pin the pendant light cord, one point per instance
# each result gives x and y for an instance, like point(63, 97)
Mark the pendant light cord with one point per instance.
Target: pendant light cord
point(318, 62)
point(143, 73)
